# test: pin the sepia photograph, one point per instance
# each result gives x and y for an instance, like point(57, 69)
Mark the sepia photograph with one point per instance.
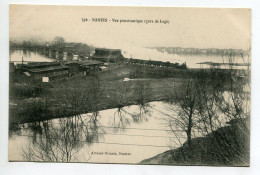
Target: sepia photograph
point(129, 85)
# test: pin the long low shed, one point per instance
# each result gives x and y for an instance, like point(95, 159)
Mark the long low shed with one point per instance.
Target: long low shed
point(51, 72)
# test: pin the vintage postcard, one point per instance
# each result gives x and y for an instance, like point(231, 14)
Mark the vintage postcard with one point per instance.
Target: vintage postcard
point(130, 85)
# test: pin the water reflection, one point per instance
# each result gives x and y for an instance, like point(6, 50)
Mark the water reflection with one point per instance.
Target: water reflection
point(141, 90)
point(73, 139)
point(15, 129)
point(143, 115)
point(65, 139)
point(94, 133)
point(120, 119)
point(61, 141)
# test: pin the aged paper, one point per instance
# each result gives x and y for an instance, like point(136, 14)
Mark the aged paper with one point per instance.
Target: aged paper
point(131, 85)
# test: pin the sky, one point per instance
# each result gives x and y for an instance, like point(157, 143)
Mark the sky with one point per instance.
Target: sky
point(187, 27)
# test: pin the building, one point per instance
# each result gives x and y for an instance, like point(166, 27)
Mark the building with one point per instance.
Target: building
point(45, 70)
point(85, 67)
point(11, 68)
point(108, 55)
point(74, 68)
point(90, 66)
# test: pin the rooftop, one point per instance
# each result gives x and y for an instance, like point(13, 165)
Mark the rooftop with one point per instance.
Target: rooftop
point(90, 62)
point(46, 69)
point(41, 64)
point(85, 62)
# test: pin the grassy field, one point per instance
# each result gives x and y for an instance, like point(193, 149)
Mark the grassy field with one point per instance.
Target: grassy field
point(105, 90)
point(70, 96)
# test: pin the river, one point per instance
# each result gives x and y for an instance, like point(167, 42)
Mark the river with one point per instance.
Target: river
point(27, 56)
point(191, 60)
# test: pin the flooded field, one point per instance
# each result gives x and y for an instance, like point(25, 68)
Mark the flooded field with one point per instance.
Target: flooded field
point(126, 135)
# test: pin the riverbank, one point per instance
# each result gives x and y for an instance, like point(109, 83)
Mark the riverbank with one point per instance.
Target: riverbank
point(227, 146)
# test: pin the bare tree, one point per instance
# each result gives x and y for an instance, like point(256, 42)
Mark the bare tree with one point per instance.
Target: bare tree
point(187, 98)
point(58, 42)
point(223, 111)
